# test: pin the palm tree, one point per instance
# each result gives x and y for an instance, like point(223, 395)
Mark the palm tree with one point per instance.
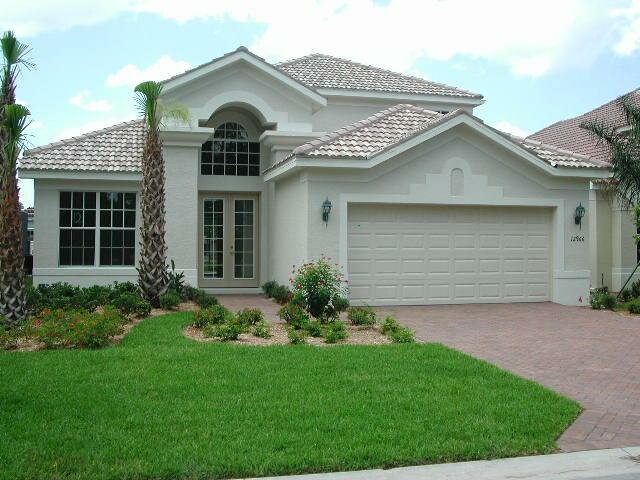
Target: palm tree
point(152, 269)
point(12, 285)
point(13, 121)
point(624, 149)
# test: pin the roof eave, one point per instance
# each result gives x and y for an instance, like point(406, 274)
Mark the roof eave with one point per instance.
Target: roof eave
point(402, 97)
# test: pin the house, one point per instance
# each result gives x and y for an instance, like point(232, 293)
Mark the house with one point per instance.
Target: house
point(614, 254)
point(391, 176)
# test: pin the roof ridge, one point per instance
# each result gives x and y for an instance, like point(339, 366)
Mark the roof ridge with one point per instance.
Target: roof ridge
point(351, 127)
point(81, 137)
point(381, 69)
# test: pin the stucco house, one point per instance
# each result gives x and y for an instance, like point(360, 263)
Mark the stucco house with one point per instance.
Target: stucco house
point(391, 176)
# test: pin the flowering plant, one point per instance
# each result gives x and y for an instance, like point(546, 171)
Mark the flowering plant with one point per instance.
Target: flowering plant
point(317, 286)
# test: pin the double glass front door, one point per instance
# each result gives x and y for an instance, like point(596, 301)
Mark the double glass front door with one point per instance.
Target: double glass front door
point(228, 240)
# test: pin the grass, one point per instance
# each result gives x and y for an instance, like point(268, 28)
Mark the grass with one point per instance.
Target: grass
point(160, 406)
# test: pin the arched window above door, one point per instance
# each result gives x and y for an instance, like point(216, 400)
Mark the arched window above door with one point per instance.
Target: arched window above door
point(231, 152)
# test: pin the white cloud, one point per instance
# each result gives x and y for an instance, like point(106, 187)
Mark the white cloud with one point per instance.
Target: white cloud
point(83, 100)
point(529, 38)
point(131, 75)
point(505, 126)
point(630, 33)
point(88, 127)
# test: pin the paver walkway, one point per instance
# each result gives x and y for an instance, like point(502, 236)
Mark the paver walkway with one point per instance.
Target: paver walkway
point(590, 356)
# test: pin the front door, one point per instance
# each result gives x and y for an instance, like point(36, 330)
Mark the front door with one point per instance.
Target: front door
point(228, 240)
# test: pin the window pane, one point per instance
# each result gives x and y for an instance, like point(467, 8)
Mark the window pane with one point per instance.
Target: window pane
point(130, 219)
point(76, 218)
point(77, 238)
point(130, 201)
point(65, 199)
point(105, 201)
point(129, 256)
point(77, 200)
point(105, 238)
point(218, 169)
point(105, 256)
point(254, 171)
point(65, 218)
point(118, 200)
point(117, 218)
point(76, 256)
point(116, 238)
point(89, 254)
point(116, 256)
point(130, 238)
point(65, 238)
point(105, 218)
point(90, 200)
point(206, 170)
point(90, 218)
point(65, 256)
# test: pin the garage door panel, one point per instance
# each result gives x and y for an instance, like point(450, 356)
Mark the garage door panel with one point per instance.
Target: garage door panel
point(429, 254)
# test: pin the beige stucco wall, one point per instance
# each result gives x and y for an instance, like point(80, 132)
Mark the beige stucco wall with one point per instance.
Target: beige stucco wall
point(421, 175)
point(46, 235)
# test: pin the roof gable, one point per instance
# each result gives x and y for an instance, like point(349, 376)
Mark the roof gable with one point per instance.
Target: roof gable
point(242, 54)
point(324, 71)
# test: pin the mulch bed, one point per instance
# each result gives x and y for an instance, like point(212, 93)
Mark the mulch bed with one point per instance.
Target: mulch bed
point(279, 336)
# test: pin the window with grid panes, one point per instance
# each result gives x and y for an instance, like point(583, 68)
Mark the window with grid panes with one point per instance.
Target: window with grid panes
point(110, 215)
point(230, 152)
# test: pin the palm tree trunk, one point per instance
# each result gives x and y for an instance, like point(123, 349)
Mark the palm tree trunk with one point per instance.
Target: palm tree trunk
point(152, 268)
point(12, 284)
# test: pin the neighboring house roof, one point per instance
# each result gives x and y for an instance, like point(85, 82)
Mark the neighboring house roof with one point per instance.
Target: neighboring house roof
point(113, 149)
point(567, 134)
point(390, 127)
point(325, 71)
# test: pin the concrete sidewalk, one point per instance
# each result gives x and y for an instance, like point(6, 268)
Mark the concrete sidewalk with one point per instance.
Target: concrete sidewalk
point(611, 464)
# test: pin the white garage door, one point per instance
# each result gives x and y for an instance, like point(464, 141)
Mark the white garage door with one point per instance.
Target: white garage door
point(412, 254)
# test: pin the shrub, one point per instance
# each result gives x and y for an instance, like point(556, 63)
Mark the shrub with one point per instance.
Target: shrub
point(214, 315)
point(402, 335)
point(176, 279)
point(227, 331)
point(362, 315)
point(297, 337)
point(340, 304)
point(268, 287)
point(635, 289)
point(634, 306)
point(124, 287)
point(204, 300)
point(314, 328)
point(609, 301)
point(390, 325)
point(317, 285)
point(170, 300)
point(132, 304)
point(281, 294)
point(334, 332)
point(625, 295)
point(189, 293)
point(595, 300)
point(262, 329)
point(250, 316)
point(294, 316)
point(61, 328)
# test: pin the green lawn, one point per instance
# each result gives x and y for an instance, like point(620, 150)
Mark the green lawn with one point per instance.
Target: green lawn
point(160, 406)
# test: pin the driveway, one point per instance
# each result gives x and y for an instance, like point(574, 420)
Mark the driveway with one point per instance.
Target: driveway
point(590, 356)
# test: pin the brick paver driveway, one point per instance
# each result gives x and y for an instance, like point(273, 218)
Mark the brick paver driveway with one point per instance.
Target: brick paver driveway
point(591, 356)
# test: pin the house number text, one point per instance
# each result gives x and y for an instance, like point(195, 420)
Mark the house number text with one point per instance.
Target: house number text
point(577, 238)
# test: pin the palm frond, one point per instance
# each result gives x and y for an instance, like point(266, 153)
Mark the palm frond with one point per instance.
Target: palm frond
point(632, 114)
point(147, 95)
point(15, 52)
point(15, 123)
point(174, 111)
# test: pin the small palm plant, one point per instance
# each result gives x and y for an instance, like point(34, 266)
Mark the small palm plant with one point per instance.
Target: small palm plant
point(13, 122)
point(152, 269)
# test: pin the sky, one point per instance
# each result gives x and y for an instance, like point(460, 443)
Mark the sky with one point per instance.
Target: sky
point(535, 62)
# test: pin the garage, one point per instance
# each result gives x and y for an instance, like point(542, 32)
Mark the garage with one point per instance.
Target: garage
point(428, 254)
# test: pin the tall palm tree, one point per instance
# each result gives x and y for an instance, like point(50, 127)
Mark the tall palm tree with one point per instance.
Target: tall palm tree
point(152, 269)
point(624, 149)
point(12, 285)
point(13, 121)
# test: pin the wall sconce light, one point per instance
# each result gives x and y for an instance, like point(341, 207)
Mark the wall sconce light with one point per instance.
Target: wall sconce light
point(580, 211)
point(326, 210)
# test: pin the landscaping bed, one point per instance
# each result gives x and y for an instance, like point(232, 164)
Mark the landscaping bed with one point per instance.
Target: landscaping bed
point(159, 405)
